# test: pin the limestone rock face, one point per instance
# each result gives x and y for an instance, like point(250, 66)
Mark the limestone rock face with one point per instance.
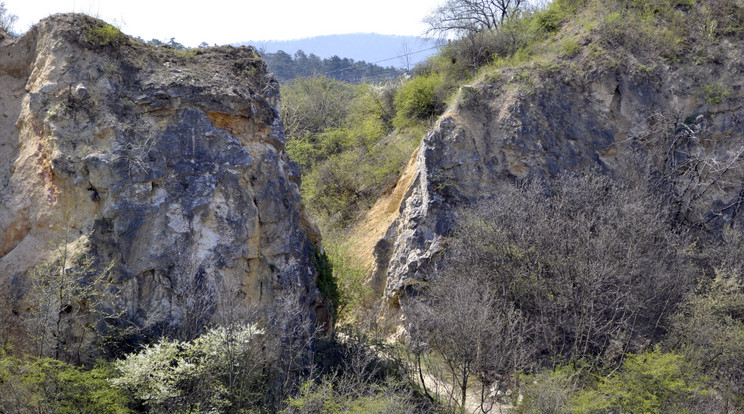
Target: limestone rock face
point(170, 164)
point(688, 121)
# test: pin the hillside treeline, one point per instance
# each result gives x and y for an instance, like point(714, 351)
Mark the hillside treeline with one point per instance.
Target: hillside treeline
point(301, 65)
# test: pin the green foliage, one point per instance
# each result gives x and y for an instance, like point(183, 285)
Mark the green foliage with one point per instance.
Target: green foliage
point(102, 34)
point(419, 99)
point(551, 18)
point(328, 397)
point(570, 47)
point(326, 282)
point(336, 133)
point(652, 382)
point(50, 386)
point(220, 370)
point(669, 30)
point(511, 43)
point(313, 105)
point(715, 93)
point(337, 188)
point(351, 276)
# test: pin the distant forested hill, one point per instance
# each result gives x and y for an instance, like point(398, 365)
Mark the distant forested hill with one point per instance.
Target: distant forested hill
point(368, 47)
point(286, 67)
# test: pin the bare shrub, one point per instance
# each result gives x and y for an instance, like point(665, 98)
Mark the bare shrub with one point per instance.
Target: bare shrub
point(585, 268)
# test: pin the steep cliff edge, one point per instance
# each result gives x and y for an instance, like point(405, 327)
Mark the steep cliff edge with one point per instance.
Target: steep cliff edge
point(168, 164)
point(567, 115)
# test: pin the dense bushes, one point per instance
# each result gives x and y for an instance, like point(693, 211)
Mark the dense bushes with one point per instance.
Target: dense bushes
point(583, 269)
point(242, 368)
point(709, 331)
point(595, 286)
point(339, 135)
point(334, 396)
point(655, 31)
point(419, 99)
point(655, 381)
point(44, 385)
point(563, 255)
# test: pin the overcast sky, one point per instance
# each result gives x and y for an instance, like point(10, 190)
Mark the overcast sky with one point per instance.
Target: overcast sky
point(223, 21)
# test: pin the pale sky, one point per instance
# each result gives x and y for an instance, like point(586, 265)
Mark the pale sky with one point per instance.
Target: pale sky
point(230, 21)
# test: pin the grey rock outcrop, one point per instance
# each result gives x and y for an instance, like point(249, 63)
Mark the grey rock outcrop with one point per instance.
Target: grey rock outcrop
point(170, 164)
point(514, 126)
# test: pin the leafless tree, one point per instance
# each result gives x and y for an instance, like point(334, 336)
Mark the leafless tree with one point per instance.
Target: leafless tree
point(476, 332)
point(467, 17)
point(405, 56)
point(292, 331)
point(70, 296)
point(7, 20)
point(590, 262)
point(697, 166)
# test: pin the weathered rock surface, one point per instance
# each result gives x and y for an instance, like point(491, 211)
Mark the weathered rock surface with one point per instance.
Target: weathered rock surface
point(688, 121)
point(169, 163)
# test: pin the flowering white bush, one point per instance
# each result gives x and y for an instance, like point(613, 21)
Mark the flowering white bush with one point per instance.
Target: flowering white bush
point(221, 368)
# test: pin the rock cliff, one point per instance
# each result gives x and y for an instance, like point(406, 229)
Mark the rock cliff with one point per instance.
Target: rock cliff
point(545, 120)
point(168, 164)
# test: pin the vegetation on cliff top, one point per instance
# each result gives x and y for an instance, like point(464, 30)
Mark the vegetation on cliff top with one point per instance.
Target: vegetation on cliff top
point(286, 67)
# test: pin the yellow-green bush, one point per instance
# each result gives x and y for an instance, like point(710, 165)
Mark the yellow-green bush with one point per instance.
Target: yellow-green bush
point(652, 382)
point(351, 276)
point(655, 381)
point(419, 99)
point(47, 385)
point(105, 34)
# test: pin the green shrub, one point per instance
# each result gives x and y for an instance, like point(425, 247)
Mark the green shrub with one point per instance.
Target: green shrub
point(551, 18)
point(331, 397)
point(304, 151)
point(655, 381)
point(47, 385)
point(570, 47)
point(351, 276)
point(652, 382)
point(343, 184)
point(326, 117)
point(710, 328)
point(313, 105)
point(103, 35)
point(419, 99)
point(716, 92)
point(327, 282)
